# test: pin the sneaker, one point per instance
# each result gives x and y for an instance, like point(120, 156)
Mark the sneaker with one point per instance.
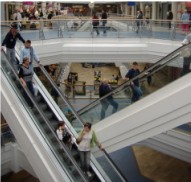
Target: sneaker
point(88, 174)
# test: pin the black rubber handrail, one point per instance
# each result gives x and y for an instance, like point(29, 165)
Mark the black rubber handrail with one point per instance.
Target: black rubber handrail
point(155, 67)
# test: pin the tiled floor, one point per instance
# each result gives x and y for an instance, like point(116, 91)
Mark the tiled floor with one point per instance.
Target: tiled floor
point(87, 74)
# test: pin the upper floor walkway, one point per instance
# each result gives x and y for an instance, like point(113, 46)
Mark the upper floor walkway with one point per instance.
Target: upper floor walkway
point(74, 40)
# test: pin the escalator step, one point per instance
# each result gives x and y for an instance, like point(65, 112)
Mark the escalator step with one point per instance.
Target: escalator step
point(47, 130)
point(53, 138)
point(75, 154)
point(43, 106)
point(49, 115)
point(38, 98)
point(39, 118)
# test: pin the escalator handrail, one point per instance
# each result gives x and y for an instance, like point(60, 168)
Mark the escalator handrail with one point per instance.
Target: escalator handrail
point(114, 165)
point(79, 119)
point(62, 145)
point(150, 70)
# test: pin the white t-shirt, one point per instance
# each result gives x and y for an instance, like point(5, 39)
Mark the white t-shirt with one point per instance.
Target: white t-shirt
point(84, 145)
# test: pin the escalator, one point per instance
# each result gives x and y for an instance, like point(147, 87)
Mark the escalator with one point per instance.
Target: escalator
point(41, 120)
point(168, 99)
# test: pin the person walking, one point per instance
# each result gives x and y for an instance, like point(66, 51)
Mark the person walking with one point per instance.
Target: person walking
point(28, 51)
point(26, 76)
point(104, 20)
point(185, 21)
point(169, 17)
point(86, 139)
point(139, 20)
point(149, 77)
point(54, 93)
point(10, 41)
point(18, 18)
point(95, 23)
point(136, 90)
point(103, 90)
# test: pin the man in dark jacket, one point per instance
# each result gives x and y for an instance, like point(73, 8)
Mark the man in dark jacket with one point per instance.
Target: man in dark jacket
point(104, 20)
point(103, 90)
point(10, 42)
point(169, 17)
point(136, 90)
point(95, 23)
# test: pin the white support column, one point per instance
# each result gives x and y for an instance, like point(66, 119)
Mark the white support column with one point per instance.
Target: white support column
point(154, 10)
point(142, 6)
point(58, 6)
point(132, 10)
point(126, 9)
point(55, 5)
point(43, 5)
point(174, 10)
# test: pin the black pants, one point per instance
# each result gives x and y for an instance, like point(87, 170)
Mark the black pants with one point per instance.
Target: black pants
point(31, 88)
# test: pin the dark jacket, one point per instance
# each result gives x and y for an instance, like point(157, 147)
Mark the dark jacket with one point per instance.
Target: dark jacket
point(170, 16)
point(131, 74)
point(105, 89)
point(104, 16)
point(95, 21)
point(10, 41)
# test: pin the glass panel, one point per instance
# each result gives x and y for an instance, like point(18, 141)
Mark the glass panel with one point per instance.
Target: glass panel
point(160, 74)
point(65, 107)
point(78, 27)
point(42, 122)
point(108, 165)
point(185, 128)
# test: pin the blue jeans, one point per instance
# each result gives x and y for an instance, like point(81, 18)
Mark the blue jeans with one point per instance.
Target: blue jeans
point(137, 93)
point(11, 57)
point(105, 103)
point(31, 88)
point(103, 26)
point(85, 160)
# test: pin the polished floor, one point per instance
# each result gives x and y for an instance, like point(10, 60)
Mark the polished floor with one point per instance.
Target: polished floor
point(161, 167)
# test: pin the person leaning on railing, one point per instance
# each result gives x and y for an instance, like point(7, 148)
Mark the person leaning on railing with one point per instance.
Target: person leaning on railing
point(186, 53)
point(10, 42)
point(85, 141)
